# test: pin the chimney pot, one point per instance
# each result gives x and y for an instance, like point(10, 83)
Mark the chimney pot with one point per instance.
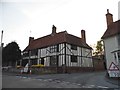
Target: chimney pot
point(107, 10)
point(31, 39)
point(53, 29)
point(83, 36)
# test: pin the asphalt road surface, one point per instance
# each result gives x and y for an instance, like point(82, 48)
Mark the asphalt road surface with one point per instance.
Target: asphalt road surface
point(75, 80)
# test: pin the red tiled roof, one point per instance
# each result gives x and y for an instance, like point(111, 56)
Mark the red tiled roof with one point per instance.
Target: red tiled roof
point(54, 39)
point(113, 29)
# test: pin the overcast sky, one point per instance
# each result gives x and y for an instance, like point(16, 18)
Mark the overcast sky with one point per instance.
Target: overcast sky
point(21, 19)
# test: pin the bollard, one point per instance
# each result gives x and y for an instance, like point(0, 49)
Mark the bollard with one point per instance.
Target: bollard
point(21, 71)
point(30, 72)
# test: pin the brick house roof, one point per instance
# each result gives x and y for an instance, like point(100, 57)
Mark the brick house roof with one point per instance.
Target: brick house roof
point(113, 29)
point(54, 39)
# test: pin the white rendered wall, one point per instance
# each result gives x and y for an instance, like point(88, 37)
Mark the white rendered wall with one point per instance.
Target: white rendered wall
point(111, 44)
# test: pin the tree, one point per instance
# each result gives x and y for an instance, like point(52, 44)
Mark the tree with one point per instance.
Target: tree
point(99, 48)
point(11, 54)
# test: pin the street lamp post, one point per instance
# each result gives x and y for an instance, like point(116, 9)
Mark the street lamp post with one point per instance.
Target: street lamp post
point(1, 39)
point(1, 59)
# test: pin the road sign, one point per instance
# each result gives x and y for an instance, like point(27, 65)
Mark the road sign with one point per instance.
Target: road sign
point(113, 67)
point(113, 70)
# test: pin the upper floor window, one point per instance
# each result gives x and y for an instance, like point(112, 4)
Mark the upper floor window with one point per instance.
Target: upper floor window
point(73, 47)
point(34, 52)
point(25, 54)
point(54, 48)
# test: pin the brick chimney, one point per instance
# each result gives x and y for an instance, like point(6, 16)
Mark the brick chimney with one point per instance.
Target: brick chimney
point(109, 18)
point(83, 37)
point(31, 39)
point(53, 29)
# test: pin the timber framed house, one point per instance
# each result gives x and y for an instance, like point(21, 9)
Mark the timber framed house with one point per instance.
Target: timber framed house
point(58, 50)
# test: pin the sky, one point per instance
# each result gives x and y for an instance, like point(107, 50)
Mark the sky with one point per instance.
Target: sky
point(21, 19)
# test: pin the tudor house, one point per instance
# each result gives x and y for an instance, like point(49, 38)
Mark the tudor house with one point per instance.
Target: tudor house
point(111, 39)
point(57, 50)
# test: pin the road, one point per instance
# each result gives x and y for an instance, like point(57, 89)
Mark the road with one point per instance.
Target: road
point(75, 80)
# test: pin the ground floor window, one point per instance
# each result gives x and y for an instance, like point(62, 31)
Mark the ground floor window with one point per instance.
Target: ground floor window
point(24, 62)
point(73, 58)
point(116, 56)
point(53, 60)
point(33, 62)
point(42, 61)
point(118, 53)
point(18, 62)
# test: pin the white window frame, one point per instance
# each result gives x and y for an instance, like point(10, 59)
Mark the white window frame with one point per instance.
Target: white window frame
point(118, 56)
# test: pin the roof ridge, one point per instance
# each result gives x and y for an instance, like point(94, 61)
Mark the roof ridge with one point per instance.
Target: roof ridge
point(112, 29)
point(56, 38)
point(48, 35)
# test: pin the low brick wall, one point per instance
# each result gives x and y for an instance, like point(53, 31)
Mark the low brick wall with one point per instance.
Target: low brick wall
point(99, 65)
point(61, 70)
point(53, 70)
point(79, 69)
point(43, 70)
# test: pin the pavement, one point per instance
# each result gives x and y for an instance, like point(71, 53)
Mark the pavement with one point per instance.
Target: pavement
point(113, 81)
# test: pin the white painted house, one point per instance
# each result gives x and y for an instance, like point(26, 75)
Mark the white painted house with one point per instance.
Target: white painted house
point(59, 49)
point(111, 39)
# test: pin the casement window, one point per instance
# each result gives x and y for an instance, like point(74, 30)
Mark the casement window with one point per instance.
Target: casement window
point(42, 61)
point(115, 57)
point(25, 54)
point(54, 48)
point(34, 62)
point(118, 54)
point(73, 58)
point(119, 40)
point(73, 47)
point(34, 52)
point(18, 62)
point(53, 60)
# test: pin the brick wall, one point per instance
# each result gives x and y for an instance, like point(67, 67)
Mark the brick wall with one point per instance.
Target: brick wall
point(99, 65)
